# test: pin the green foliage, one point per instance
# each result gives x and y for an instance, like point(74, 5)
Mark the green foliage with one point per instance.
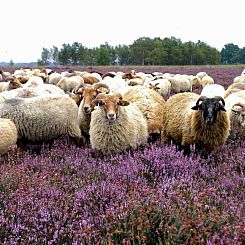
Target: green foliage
point(144, 51)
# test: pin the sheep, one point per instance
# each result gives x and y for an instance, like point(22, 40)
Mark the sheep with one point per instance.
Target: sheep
point(68, 84)
point(135, 81)
point(43, 118)
point(195, 80)
point(237, 86)
point(235, 106)
point(88, 93)
point(161, 85)
point(201, 74)
point(239, 79)
point(4, 74)
point(207, 80)
point(116, 84)
point(34, 81)
point(189, 118)
point(151, 104)
point(8, 135)
point(180, 83)
point(28, 92)
point(54, 78)
point(116, 125)
point(10, 83)
point(212, 90)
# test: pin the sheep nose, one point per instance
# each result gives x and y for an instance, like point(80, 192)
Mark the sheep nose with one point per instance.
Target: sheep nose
point(111, 116)
point(209, 120)
point(86, 109)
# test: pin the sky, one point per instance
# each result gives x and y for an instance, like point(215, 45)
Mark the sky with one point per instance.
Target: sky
point(28, 26)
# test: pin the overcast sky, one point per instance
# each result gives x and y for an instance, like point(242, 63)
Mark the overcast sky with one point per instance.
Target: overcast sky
point(29, 25)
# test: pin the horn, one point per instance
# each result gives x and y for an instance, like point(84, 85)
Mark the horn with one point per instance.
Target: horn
point(118, 95)
point(239, 104)
point(219, 98)
point(201, 98)
point(101, 85)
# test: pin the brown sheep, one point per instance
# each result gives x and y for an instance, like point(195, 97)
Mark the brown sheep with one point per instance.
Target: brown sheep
point(193, 119)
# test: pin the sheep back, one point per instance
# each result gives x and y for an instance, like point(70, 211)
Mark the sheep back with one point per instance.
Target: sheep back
point(42, 118)
point(150, 104)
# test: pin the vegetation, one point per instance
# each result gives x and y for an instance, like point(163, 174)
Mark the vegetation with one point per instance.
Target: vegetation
point(153, 195)
point(143, 51)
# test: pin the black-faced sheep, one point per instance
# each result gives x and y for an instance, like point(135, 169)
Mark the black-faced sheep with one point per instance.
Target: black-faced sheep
point(43, 118)
point(8, 135)
point(116, 125)
point(192, 119)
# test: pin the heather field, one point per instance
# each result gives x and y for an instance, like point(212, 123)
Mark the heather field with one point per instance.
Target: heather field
point(153, 195)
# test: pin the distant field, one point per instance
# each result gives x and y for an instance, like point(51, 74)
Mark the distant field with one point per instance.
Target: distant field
point(153, 195)
point(222, 74)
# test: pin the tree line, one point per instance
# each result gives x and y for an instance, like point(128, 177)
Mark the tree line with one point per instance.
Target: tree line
point(143, 51)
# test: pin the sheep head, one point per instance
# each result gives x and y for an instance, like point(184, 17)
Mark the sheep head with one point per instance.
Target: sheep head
point(88, 93)
point(239, 109)
point(210, 107)
point(110, 104)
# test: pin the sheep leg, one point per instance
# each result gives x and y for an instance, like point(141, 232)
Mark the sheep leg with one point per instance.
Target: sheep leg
point(78, 141)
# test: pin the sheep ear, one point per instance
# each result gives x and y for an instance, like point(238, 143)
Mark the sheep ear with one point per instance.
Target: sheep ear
point(196, 107)
point(123, 103)
point(221, 108)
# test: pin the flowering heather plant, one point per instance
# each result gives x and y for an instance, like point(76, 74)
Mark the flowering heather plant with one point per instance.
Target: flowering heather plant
point(153, 195)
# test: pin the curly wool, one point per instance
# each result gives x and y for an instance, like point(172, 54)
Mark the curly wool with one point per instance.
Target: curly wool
point(8, 135)
point(42, 118)
point(129, 130)
point(186, 127)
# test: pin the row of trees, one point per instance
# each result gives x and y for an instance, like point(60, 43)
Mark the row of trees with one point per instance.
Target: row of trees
point(143, 51)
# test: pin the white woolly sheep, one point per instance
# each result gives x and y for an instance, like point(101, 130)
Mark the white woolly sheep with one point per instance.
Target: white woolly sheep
point(161, 85)
point(212, 90)
point(235, 106)
point(207, 80)
point(193, 119)
point(151, 104)
point(201, 74)
point(180, 83)
point(68, 84)
point(237, 86)
point(34, 81)
point(116, 125)
point(54, 78)
point(43, 118)
point(239, 79)
point(11, 83)
point(8, 135)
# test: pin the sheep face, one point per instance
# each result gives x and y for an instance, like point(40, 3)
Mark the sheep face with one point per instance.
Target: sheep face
point(239, 111)
point(210, 108)
point(88, 95)
point(110, 104)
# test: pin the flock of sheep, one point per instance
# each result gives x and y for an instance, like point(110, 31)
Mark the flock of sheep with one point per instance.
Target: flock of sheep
point(117, 110)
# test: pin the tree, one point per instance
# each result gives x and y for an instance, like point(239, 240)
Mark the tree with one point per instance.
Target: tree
point(228, 53)
point(65, 54)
